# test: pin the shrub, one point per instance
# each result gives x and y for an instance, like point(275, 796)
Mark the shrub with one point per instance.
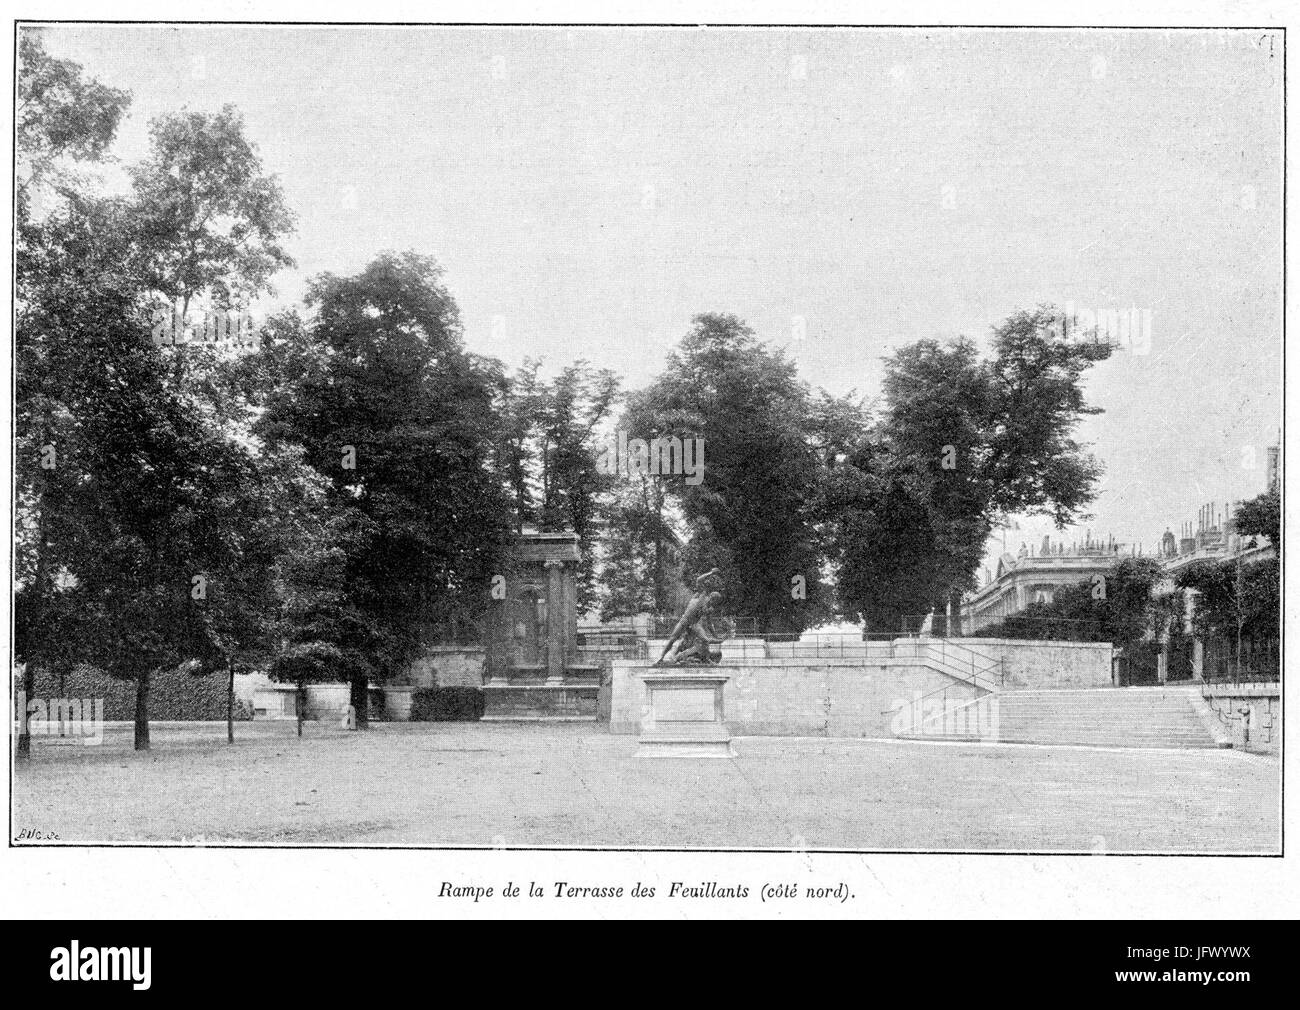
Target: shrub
point(173, 694)
point(447, 704)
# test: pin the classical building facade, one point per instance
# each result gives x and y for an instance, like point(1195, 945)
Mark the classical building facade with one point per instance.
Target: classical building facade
point(1213, 537)
point(1033, 576)
point(533, 667)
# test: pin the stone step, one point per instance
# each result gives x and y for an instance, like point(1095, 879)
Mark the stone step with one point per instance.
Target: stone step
point(1151, 713)
point(1110, 717)
point(1104, 701)
point(1074, 702)
point(1154, 743)
point(1104, 717)
point(1104, 713)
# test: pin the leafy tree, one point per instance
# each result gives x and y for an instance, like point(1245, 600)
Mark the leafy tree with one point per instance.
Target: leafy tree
point(271, 519)
point(875, 535)
point(883, 545)
point(1239, 602)
point(64, 122)
point(1262, 516)
point(636, 574)
point(987, 437)
point(207, 217)
point(573, 488)
point(380, 393)
point(132, 520)
point(546, 455)
point(62, 119)
point(748, 516)
point(1130, 611)
point(323, 637)
point(1233, 597)
point(935, 427)
point(520, 402)
point(137, 489)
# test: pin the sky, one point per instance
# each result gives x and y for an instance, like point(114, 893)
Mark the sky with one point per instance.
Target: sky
point(845, 192)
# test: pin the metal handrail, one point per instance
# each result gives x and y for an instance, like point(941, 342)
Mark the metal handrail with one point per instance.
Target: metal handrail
point(958, 668)
point(961, 644)
point(951, 656)
point(945, 712)
point(974, 682)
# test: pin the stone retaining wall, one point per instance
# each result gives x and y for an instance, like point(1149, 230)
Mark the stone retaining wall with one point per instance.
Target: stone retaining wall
point(1043, 665)
point(822, 697)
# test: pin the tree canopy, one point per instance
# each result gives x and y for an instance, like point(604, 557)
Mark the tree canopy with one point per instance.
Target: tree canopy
point(327, 502)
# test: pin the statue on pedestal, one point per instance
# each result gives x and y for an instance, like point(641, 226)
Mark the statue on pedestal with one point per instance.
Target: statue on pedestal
point(694, 636)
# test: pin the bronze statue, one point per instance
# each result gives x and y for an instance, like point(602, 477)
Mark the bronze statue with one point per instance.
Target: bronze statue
point(694, 630)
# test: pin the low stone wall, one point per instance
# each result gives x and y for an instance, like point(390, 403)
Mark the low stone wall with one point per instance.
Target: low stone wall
point(449, 666)
point(328, 701)
point(1043, 665)
point(1253, 708)
point(791, 697)
point(1032, 664)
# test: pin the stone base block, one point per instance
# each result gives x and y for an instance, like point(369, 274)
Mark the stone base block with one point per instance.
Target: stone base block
point(683, 714)
point(662, 744)
point(540, 702)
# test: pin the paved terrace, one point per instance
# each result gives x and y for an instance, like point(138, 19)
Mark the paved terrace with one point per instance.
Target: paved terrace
point(578, 785)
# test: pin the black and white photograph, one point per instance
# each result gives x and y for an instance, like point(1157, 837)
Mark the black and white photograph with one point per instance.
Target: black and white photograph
point(506, 442)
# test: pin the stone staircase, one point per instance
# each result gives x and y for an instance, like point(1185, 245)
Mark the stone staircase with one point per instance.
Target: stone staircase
point(1168, 717)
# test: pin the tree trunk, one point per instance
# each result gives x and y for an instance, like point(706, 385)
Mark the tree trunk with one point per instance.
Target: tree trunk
point(939, 624)
point(954, 621)
point(24, 728)
point(230, 702)
point(63, 693)
point(40, 587)
point(142, 710)
point(360, 703)
point(660, 596)
point(301, 704)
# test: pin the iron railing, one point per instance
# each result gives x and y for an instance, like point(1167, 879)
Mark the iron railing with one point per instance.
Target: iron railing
point(949, 656)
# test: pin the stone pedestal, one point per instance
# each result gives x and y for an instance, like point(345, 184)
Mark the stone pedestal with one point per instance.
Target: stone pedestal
point(398, 699)
point(683, 714)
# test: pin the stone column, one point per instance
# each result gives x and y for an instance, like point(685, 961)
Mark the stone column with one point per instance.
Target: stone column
point(555, 622)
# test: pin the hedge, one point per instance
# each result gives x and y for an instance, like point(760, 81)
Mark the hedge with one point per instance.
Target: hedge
point(173, 694)
point(447, 704)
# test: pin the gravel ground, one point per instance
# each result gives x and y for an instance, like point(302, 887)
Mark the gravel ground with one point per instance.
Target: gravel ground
point(569, 785)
